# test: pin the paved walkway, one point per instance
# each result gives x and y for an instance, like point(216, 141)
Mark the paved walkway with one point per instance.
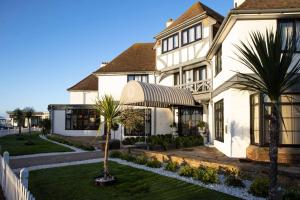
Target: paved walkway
point(54, 159)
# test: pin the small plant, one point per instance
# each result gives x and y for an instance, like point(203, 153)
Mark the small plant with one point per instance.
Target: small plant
point(154, 163)
point(206, 175)
point(202, 124)
point(116, 154)
point(228, 171)
point(172, 166)
point(291, 194)
point(141, 160)
point(128, 157)
point(259, 187)
point(187, 170)
point(234, 181)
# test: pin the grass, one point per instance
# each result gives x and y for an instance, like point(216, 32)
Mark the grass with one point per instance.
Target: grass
point(76, 183)
point(16, 145)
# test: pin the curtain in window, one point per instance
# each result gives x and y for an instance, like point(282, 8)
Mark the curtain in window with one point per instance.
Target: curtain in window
point(287, 33)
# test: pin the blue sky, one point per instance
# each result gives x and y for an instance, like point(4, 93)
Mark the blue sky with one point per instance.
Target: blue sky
point(47, 46)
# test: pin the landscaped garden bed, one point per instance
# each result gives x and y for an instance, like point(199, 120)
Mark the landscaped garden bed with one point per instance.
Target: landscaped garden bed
point(18, 145)
point(166, 142)
point(77, 182)
point(222, 179)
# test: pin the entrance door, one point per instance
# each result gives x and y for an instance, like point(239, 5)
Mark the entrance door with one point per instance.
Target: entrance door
point(188, 118)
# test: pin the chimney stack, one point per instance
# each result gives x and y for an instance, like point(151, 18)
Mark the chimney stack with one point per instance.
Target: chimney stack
point(103, 64)
point(169, 22)
point(237, 3)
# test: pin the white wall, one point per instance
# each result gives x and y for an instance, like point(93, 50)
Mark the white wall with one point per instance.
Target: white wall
point(236, 122)
point(83, 97)
point(240, 31)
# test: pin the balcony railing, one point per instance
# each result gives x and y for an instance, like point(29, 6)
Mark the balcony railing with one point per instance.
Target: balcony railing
point(197, 87)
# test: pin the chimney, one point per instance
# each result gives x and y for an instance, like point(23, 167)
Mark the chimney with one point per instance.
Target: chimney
point(103, 64)
point(237, 3)
point(169, 22)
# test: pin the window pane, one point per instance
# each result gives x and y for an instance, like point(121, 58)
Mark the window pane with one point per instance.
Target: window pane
point(138, 78)
point(145, 78)
point(130, 78)
point(192, 34)
point(184, 37)
point(165, 45)
point(175, 41)
point(198, 32)
point(298, 35)
point(170, 43)
point(287, 33)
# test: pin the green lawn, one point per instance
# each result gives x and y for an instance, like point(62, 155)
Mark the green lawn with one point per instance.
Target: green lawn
point(16, 145)
point(76, 183)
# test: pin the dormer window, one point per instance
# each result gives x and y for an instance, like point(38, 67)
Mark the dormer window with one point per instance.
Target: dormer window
point(170, 43)
point(192, 34)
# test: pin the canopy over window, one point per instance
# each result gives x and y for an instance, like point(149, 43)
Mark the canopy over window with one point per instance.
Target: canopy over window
point(137, 93)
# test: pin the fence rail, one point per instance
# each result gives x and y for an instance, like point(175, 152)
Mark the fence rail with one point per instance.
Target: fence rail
point(197, 87)
point(13, 187)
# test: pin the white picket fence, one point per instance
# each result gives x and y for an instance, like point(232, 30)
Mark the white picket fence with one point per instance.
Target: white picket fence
point(13, 188)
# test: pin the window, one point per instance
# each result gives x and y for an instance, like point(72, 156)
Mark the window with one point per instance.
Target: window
point(191, 34)
point(290, 30)
point(199, 73)
point(218, 61)
point(144, 128)
point(259, 114)
point(219, 121)
point(170, 43)
point(138, 77)
point(82, 119)
point(188, 118)
point(176, 79)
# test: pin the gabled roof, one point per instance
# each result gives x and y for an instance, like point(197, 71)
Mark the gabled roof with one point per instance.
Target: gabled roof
point(268, 4)
point(196, 9)
point(140, 57)
point(89, 83)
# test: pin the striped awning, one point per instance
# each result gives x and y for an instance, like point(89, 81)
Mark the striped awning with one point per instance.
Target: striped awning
point(137, 93)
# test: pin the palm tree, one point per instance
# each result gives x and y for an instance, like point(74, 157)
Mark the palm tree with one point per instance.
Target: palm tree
point(28, 113)
point(275, 71)
point(18, 115)
point(110, 110)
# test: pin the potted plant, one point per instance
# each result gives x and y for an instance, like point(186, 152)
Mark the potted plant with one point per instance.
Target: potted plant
point(202, 126)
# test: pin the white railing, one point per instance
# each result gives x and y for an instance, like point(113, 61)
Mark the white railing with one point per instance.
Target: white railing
point(15, 130)
point(197, 87)
point(13, 188)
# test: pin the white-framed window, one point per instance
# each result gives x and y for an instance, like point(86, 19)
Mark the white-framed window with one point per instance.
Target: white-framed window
point(138, 77)
point(290, 32)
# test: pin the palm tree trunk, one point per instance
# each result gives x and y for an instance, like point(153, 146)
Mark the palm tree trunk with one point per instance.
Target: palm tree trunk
point(273, 151)
point(105, 163)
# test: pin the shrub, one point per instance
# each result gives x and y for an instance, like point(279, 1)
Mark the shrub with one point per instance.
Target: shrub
point(116, 154)
point(228, 171)
point(234, 181)
point(172, 166)
point(154, 163)
point(132, 140)
point(141, 159)
point(187, 170)
point(114, 144)
point(129, 157)
point(259, 187)
point(291, 194)
point(206, 175)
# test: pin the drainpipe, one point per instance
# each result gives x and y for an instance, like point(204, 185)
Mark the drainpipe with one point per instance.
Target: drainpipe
point(154, 112)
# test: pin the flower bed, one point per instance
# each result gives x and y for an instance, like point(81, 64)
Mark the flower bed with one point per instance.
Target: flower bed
point(165, 142)
point(226, 181)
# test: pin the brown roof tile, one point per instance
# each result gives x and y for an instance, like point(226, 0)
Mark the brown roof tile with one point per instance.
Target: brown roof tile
point(196, 9)
point(268, 4)
point(88, 83)
point(138, 57)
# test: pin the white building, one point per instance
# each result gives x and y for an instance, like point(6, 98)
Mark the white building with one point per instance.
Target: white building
point(194, 52)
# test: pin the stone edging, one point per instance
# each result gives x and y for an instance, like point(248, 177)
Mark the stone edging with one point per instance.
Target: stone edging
point(65, 145)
